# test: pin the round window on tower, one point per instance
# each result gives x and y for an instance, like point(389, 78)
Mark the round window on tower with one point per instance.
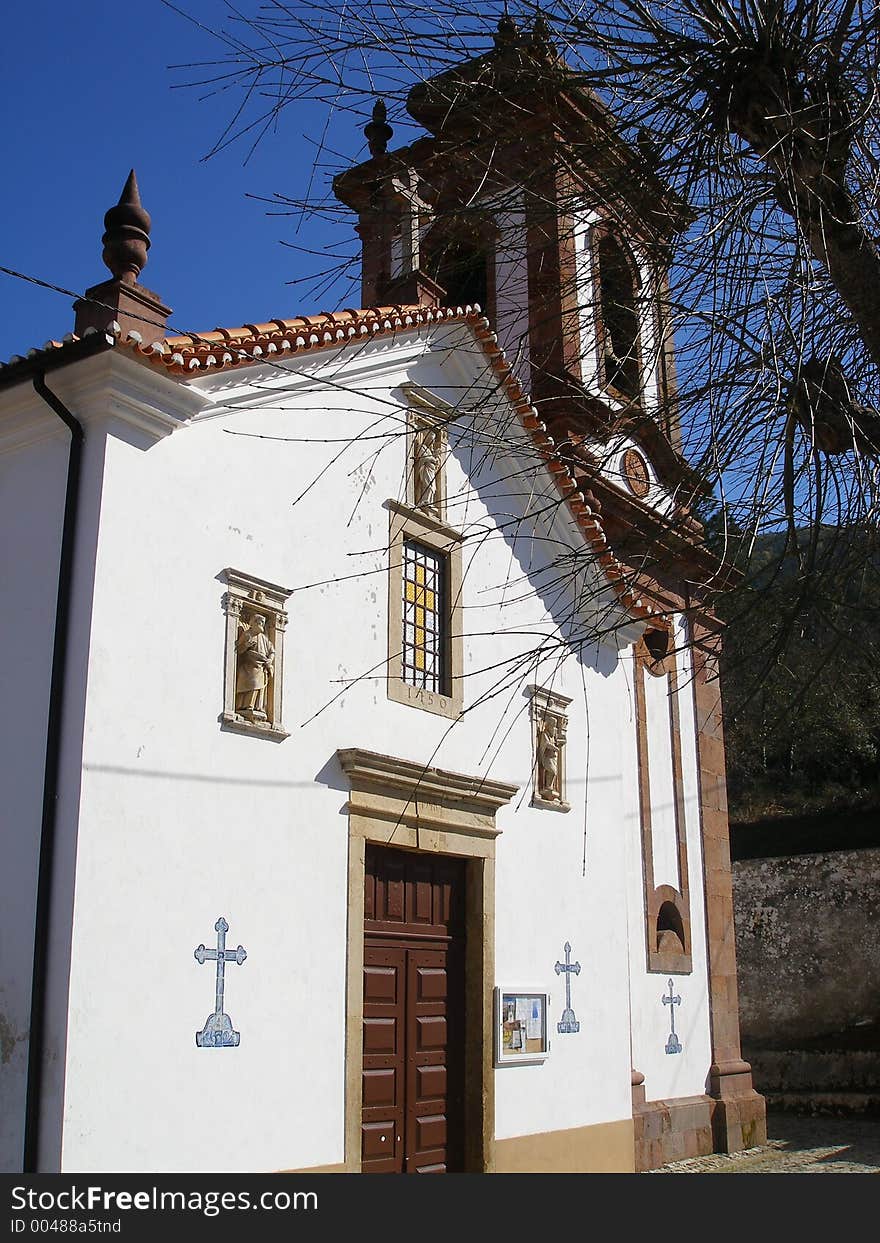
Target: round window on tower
point(634, 470)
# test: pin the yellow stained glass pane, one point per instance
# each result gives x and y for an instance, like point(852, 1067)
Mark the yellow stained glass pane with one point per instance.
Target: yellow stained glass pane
point(423, 586)
point(421, 597)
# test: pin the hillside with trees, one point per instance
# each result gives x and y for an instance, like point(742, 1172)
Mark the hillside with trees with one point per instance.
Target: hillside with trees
point(801, 675)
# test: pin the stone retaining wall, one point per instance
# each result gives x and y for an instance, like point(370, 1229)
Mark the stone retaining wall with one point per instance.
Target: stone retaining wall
point(808, 956)
point(808, 945)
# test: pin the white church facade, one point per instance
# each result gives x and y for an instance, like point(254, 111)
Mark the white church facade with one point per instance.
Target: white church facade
point(365, 787)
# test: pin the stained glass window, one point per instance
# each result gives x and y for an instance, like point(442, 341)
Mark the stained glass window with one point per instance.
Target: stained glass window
point(424, 613)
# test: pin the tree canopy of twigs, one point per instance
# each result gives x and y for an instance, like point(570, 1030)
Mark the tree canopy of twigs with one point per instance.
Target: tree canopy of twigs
point(761, 116)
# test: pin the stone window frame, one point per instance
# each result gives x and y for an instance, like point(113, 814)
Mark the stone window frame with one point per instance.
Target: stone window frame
point(654, 656)
point(406, 523)
point(544, 703)
point(246, 593)
point(598, 231)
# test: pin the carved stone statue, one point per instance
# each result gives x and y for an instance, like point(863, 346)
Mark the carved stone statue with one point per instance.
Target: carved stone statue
point(255, 659)
point(548, 750)
point(426, 467)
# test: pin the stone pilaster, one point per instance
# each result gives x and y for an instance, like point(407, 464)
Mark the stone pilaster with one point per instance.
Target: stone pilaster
point(738, 1112)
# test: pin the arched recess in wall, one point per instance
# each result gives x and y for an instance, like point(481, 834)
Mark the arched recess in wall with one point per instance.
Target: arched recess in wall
point(616, 301)
point(657, 643)
point(670, 933)
point(460, 255)
point(666, 909)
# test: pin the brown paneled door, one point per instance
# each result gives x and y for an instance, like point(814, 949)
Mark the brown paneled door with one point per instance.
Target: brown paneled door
point(413, 1084)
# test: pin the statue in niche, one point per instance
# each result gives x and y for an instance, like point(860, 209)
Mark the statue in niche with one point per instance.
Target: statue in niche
point(426, 469)
point(548, 748)
point(256, 657)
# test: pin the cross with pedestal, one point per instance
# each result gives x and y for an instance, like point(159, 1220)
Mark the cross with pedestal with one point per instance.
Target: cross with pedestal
point(568, 1023)
point(673, 1045)
point(217, 1032)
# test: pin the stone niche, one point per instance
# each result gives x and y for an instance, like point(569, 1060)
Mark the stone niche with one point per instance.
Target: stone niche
point(253, 661)
point(549, 717)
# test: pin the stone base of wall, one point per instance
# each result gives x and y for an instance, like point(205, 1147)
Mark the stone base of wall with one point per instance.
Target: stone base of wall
point(694, 1126)
point(739, 1122)
point(672, 1130)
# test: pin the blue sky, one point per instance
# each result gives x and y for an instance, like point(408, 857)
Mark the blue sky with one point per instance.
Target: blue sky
point(87, 93)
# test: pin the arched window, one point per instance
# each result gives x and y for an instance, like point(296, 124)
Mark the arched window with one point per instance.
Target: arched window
point(618, 319)
point(460, 257)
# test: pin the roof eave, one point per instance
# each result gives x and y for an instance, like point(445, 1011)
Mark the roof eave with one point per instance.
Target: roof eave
point(39, 362)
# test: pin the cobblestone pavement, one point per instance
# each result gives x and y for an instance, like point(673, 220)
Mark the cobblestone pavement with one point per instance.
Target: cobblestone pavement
point(798, 1145)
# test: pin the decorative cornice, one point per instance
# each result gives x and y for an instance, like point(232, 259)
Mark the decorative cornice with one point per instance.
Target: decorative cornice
point(547, 699)
point(98, 388)
point(407, 792)
point(424, 399)
point(108, 386)
point(259, 589)
point(411, 514)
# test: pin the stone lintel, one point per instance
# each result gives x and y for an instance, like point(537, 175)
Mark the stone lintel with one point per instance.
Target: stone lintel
point(407, 792)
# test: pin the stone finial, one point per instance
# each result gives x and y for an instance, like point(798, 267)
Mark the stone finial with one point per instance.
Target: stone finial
point(378, 131)
point(127, 234)
point(121, 305)
point(542, 37)
point(507, 33)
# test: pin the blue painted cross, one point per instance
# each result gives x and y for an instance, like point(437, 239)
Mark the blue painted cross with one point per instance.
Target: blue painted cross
point(568, 1023)
point(217, 1032)
point(673, 1045)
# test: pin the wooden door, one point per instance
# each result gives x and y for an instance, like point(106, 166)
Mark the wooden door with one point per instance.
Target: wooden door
point(413, 1076)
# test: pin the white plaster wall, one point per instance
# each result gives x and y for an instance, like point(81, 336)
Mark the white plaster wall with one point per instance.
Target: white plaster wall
point(512, 284)
point(648, 335)
point(685, 1073)
point(559, 878)
point(78, 674)
point(664, 836)
point(584, 219)
point(181, 822)
point(32, 484)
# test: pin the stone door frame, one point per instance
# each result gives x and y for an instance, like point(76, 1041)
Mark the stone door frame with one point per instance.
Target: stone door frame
point(401, 803)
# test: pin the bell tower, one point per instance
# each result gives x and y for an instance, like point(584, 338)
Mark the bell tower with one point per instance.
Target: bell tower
point(524, 198)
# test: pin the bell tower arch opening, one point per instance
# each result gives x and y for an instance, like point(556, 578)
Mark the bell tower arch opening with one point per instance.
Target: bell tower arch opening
point(460, 257)
point(617, 314)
